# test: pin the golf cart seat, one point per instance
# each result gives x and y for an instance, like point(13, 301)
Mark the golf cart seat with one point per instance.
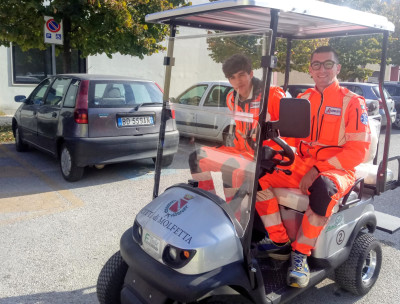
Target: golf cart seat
point(293, 198)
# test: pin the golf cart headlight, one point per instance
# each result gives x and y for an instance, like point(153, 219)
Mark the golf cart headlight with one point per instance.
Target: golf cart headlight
point(176, 257)
point(137, 232)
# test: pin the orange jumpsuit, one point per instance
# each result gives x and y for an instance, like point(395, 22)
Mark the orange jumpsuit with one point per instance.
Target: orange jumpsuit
point(232, 161)
point(339, 140)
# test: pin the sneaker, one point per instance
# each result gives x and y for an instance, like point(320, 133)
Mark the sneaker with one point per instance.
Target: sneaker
point(299, 272)
point(267, 248)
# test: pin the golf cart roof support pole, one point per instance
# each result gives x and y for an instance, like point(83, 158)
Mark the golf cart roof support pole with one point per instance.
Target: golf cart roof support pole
point(382, 169)
point(287, 66)
point(267, 75)
point(168, 62)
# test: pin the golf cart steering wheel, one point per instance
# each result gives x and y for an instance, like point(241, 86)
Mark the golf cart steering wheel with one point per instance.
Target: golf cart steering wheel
point(269, 153)
point(286, 153)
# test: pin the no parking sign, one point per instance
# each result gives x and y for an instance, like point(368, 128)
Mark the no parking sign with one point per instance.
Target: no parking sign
point(53, 32)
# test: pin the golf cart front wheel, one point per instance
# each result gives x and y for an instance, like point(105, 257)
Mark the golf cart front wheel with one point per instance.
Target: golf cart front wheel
point(111, 279)
point(361, 270)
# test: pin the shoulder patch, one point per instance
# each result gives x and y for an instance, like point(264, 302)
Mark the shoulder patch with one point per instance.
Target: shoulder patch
point(364, 118)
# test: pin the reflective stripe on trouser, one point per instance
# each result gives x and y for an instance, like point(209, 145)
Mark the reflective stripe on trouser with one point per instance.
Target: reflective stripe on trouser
point(324, 194)
point(268, 209)
point(227, 160)
point(309, 230)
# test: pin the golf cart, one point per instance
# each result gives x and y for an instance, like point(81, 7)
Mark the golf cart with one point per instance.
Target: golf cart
point(189, 245)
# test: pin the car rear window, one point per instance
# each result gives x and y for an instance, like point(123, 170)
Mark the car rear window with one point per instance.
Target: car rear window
point(122, 94)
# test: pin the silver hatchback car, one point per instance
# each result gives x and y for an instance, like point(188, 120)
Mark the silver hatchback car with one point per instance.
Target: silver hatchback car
point(85, 119)
point(193, 108)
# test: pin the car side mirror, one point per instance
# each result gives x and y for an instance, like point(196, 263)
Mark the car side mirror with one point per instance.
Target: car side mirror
point(20, 98)
point(294, 118)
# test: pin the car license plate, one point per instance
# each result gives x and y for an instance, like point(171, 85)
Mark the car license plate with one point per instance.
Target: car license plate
point(135, 121)
point(151, 243)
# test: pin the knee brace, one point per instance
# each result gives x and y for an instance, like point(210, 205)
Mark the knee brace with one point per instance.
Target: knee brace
point(321, 192)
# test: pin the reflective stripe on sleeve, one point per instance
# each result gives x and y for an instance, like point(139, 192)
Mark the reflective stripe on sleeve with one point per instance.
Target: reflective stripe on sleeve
point(359, 136)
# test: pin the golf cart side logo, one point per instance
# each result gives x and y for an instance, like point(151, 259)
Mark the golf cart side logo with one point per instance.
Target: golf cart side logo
point(176, 207)
point(339, 221)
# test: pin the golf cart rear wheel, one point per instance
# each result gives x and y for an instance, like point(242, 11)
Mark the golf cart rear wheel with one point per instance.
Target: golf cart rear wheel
point(111, 279)
point(361, 270)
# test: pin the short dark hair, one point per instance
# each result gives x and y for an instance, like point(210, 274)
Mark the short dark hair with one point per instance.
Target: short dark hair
point(236, 63)
point(326, 49)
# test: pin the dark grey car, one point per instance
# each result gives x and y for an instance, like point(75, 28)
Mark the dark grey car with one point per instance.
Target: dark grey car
point(85, 119)
point(370, 91)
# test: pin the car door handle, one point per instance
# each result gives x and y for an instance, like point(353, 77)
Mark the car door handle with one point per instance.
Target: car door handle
point(54, 114)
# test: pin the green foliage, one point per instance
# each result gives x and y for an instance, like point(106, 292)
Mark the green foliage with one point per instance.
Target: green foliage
point(224, 47)
point(300, 53)
point(92, 26)
point(354, 52)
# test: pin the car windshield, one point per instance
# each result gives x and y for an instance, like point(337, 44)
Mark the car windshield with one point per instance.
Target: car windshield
point(123, 94)
point(229, 172)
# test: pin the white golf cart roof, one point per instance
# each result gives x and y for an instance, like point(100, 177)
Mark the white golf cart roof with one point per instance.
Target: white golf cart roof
point(298, 19)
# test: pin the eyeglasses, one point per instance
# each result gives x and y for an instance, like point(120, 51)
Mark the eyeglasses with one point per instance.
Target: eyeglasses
point(328, 64)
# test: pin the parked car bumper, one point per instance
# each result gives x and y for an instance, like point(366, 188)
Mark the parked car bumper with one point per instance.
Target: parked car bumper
point(108, 150)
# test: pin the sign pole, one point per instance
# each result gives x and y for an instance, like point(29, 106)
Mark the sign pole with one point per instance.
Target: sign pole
point(53, 58)
point(53, 34)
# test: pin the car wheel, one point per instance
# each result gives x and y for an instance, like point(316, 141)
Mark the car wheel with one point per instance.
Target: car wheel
point(70, 171)
point(361, 270)
point(20, 146)
point(396, 123)
point(111, 279)
point(166, 160)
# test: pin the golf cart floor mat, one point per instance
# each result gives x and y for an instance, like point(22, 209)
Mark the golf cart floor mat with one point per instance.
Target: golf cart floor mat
point(274, 275)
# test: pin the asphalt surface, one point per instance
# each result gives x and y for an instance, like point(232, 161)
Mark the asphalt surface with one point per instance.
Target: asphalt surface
point(56, 236)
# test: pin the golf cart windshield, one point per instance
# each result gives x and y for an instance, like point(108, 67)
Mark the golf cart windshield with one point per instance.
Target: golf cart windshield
point(210, 151)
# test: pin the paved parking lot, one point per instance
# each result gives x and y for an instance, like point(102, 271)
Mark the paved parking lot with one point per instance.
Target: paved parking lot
point(55, 235)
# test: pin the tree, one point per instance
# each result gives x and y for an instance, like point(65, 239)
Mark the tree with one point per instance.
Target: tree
point(92, 26)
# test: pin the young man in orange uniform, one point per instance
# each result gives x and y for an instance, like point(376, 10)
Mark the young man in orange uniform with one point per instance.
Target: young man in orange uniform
point(245, 98)
point(323, 167)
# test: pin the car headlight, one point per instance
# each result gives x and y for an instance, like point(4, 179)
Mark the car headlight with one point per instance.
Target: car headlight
point(137, 232)
point(176, 257)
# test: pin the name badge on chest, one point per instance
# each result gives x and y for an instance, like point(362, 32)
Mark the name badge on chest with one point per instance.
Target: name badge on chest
point(333, 111)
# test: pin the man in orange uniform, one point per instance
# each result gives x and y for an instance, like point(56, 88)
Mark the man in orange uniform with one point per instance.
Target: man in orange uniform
point(245, 98)
point(323, 167)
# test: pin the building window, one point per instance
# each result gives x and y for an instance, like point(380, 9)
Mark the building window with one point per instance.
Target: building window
point(34, 65)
